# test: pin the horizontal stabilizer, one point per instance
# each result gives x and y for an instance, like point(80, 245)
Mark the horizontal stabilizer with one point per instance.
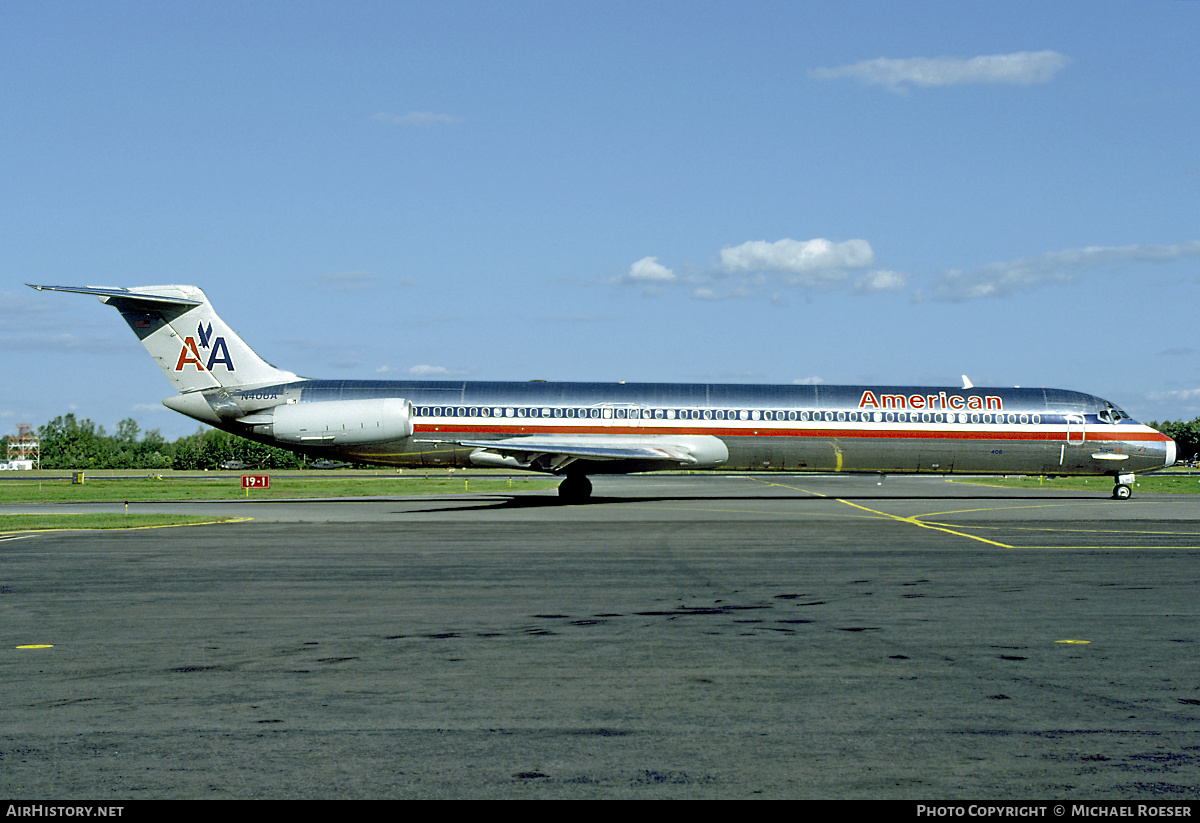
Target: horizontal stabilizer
point(125, 294)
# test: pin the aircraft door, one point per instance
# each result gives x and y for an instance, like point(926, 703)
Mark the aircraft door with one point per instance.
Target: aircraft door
point(1076, 432)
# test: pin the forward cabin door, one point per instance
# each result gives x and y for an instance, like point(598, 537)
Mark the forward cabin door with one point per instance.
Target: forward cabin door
point(1075, 436)
point(1076, 431)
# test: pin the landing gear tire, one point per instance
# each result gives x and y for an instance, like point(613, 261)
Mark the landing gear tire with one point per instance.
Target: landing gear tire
point(1121, 491)
point(575, 488)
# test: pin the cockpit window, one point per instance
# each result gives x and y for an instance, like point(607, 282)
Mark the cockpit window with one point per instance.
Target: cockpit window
point(1112, 414)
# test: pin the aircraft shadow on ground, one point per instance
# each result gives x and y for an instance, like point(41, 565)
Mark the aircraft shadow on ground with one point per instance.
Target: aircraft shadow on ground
point(534, 501)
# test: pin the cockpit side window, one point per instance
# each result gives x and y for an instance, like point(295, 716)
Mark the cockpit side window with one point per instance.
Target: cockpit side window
point(1112, 414)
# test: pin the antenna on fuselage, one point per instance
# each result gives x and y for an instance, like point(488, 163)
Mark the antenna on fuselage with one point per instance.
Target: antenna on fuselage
point(967, 384)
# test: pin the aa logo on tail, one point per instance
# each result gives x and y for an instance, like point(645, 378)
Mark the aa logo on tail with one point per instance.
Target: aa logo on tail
point(218, 351)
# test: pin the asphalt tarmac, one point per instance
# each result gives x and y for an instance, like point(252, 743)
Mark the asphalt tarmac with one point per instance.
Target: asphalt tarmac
point(677, 637)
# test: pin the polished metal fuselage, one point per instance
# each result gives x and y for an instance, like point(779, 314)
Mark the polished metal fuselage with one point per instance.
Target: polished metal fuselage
point(888, 429)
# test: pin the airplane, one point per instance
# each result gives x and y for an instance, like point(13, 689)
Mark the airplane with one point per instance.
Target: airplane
point(578, 429)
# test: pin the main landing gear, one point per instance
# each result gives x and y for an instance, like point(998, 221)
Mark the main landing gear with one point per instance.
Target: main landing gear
point(575, 488)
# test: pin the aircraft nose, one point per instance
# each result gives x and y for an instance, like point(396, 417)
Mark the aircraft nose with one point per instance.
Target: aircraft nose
point(1169, 459)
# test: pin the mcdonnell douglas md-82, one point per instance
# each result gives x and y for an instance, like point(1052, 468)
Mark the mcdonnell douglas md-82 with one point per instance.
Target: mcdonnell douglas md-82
point(577, 429)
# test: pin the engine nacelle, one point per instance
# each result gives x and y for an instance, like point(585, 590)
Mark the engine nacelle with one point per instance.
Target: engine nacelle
point(342, 422)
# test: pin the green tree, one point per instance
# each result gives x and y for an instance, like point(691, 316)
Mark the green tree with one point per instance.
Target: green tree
point(68, 443)
point(187, 454)
point(152, 451)
point(217, 447)
point(1185, 435)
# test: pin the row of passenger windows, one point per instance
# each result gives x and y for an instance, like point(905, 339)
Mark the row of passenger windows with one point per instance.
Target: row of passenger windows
point(610, 413)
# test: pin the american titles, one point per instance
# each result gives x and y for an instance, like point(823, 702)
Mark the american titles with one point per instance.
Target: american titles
point(936, 402)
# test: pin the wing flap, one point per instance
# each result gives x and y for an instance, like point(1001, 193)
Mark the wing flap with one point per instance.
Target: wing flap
point(536, 447)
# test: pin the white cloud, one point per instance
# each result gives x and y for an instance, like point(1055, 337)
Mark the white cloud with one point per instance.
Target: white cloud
point(1022, 68)
point(1004, 278)
point(752, 268)
point(417, 118)
point(1176, 394)
point(648, 269)
point(808, 381)
point(882, 280)
point(797, 256)
point(428, 371)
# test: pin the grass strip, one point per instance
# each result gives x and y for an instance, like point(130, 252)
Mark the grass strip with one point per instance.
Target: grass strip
point(100, 488)
point(10, 523)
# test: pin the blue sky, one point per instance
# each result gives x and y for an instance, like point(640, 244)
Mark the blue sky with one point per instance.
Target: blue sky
point(837, 192)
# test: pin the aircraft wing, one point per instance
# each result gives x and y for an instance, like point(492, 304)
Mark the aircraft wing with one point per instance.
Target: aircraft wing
point(556, 452)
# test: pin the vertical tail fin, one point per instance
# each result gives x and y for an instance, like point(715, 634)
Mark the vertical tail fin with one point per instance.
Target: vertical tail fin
point(193, 347)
